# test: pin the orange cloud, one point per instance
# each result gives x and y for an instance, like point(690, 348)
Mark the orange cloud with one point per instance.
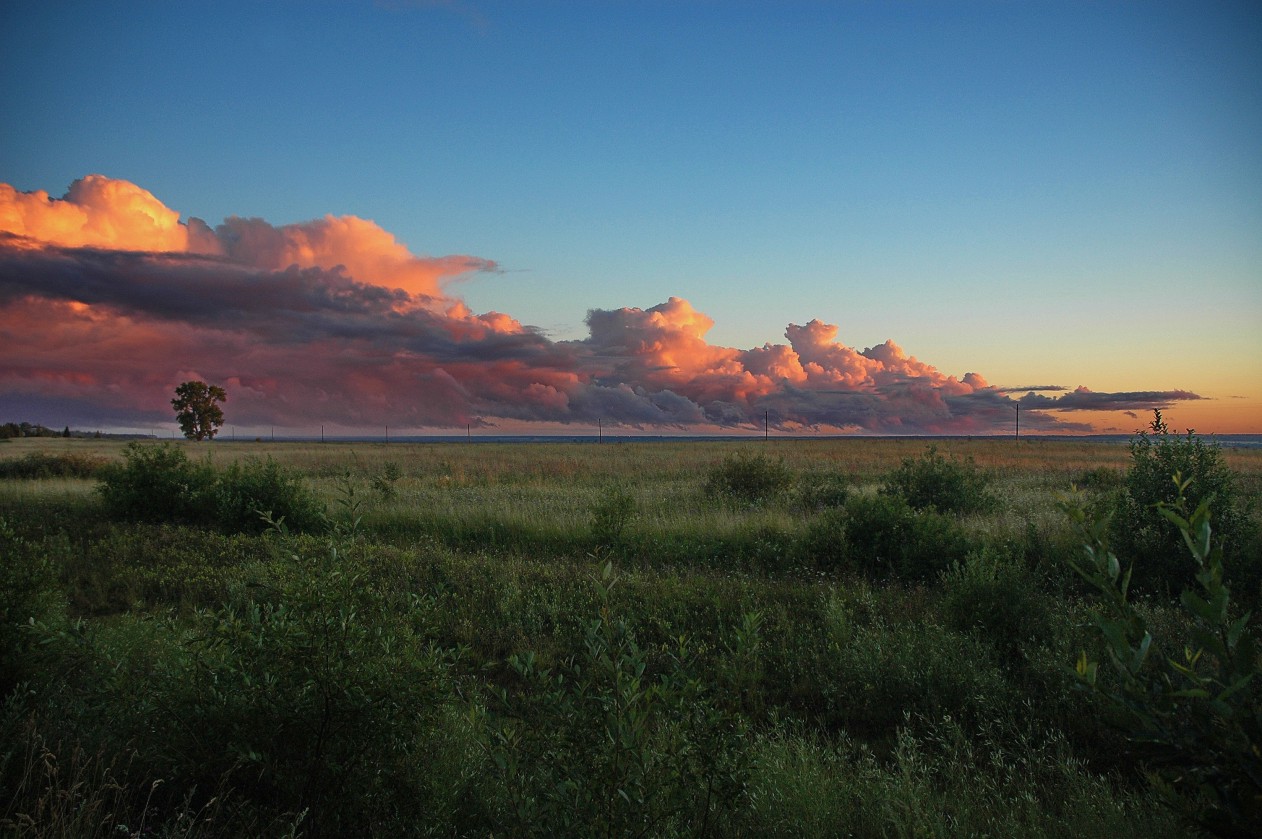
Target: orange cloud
point(364, 250)
point(101, 212)
point(106, 213)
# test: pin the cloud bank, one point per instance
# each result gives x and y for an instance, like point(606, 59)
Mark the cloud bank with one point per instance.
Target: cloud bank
point(108, 301)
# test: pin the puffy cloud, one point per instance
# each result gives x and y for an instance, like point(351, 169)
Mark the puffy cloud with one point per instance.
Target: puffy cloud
point(116, 215)
point(101, 212)
point(108, 300)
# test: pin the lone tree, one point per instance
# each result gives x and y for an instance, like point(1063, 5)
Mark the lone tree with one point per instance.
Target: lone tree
point(197, 408)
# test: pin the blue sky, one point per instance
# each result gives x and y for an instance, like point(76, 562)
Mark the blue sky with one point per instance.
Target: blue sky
point(1065, 193)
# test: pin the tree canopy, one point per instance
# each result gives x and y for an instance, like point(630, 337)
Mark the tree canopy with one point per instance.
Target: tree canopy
point(197, 409)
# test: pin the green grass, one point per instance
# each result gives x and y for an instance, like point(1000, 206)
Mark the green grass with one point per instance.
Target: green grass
point(564, 667)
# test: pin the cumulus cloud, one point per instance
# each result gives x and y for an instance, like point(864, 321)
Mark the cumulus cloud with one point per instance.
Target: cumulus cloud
point(108, 300)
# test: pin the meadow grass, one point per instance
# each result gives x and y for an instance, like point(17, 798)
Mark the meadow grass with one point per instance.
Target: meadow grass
point(472, 650)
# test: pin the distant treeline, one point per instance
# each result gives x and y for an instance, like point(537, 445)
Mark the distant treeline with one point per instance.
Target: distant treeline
point(28, 429)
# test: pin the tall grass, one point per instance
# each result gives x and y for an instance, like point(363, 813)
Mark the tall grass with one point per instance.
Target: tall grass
point(569, 638)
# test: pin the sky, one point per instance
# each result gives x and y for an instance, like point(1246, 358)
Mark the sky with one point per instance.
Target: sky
point(671, 217)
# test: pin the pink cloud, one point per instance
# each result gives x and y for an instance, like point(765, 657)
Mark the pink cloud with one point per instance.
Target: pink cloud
point(108, 300)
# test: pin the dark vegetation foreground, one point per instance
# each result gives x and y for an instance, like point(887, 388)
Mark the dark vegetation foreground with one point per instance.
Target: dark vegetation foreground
point(784, 638)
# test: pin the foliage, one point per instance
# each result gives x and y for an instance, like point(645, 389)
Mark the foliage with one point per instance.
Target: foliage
point(610, 516)
point(158, 483)
point(249, 488)
point(882, 536)
point(946, 485)
point(197, 408)
point(990, 594)
point(602, 748)
point(1142, 534)
point(1197, 717)
point(41, 465)
point(751, 478)
point(383, 483)
point(29, 593)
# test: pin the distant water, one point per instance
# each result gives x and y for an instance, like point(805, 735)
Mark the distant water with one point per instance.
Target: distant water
point(1228, 441)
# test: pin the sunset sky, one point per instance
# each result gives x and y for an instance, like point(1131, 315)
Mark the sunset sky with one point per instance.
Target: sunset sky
point(681, 217)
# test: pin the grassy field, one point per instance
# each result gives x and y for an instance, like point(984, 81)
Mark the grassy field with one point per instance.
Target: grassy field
point(754, 638)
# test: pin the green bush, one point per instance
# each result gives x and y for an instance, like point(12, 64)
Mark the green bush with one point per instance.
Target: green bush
point(245, 490)
point(29, 592)
point(603, 746)
point(996, 597)
point(1141, 533)
point(880, 674)
point(751, 478)
point(321, 694)
point(884, 537)
point(610, 516)
point(159, 484)
point(946, 485)
point(1194, 716)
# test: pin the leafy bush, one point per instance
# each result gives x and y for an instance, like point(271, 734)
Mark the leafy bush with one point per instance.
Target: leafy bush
point(321, 697)
point(946, 485)
point(604, 747)
point(884, 537)
point(29, 591)
point(996, 597)
point(37, 465)
point(749, 477)
point(611, 515)
point(1195, 717)
point(159, 484)
point(1142, 534)
point(244, 490)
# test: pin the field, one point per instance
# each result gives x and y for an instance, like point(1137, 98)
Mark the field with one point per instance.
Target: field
point(756, 638)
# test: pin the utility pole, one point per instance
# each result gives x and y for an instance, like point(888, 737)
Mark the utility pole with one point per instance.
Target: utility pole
point(322, 434)
point(600, 431)
point(766, 425)
point(1018, 407)
point(387, 435)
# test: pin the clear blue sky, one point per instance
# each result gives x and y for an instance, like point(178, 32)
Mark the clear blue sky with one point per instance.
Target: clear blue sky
point(1059, 192)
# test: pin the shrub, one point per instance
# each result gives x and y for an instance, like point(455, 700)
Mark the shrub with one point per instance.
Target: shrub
point(883, 673)
point(947, 485)
point(996, 597)
point(884, 537)
point(324, 696)
point(611, 515)
point(1195, 716)
point(1141, 533)
point(159, 484)
point(245, 490)
point(29, 591)
point(749, 477)
point(604, 746)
